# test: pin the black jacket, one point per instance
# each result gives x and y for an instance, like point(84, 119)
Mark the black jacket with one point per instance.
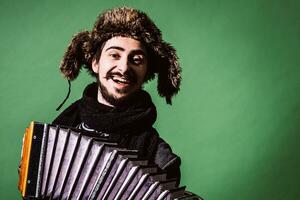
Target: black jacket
point(131, 132)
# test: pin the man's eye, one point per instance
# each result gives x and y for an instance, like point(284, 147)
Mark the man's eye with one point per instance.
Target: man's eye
point(114, 55)
point(138, 60)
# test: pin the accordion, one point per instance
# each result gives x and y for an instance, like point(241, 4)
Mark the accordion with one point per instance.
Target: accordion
point(67, 163)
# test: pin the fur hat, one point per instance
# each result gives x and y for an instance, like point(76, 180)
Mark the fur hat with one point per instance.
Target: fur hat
point(131, 23)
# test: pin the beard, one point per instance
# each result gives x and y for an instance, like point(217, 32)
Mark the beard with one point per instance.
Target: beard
point(110, 98)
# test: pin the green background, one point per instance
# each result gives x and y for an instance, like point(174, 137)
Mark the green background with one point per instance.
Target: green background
point(235, 122)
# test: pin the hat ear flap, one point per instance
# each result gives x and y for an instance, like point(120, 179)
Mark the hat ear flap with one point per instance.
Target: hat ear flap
point(169, 73)
point(78, 53)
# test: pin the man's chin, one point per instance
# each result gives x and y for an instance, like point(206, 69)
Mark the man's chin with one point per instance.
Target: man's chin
point(118, 96)
point(117, 100)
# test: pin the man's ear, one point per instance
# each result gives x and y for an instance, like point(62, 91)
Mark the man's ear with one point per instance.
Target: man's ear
point(95, 66)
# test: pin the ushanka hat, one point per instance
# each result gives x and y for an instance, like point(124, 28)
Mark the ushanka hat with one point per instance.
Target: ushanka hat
point(127, 22)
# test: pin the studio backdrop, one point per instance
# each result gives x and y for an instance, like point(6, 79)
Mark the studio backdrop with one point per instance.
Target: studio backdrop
point(236, 120)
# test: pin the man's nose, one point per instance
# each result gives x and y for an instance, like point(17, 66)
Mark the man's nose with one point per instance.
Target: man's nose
point(123, 65)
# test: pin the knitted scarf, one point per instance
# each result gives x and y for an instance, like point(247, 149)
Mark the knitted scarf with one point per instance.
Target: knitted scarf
point(132, 117)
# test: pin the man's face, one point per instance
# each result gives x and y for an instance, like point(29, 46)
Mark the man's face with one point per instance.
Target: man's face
point(121, 69)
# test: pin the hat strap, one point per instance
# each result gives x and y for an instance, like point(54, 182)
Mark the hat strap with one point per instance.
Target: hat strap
point(69, 91)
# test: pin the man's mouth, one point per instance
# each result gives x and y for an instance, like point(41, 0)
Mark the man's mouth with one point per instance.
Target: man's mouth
point(121, 80)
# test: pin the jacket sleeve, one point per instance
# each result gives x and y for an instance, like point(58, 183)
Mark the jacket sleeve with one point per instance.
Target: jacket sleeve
point(167, 160)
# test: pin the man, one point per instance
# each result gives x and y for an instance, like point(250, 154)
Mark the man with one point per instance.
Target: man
point(123, 51)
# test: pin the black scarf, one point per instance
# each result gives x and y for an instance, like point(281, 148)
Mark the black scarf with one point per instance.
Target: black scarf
point(135, 115)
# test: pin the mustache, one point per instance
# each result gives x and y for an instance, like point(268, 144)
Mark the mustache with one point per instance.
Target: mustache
point(128, 75)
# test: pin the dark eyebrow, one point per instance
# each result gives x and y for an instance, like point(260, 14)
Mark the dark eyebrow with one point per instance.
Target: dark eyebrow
point(137, 51)
point(115, 47)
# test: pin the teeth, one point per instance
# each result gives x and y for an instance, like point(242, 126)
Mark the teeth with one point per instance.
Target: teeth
point(120, 80)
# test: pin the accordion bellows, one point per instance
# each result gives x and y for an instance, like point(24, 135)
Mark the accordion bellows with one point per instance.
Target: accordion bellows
point(66, 163)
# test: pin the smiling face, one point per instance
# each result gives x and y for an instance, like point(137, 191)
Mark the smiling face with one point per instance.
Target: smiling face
point(121, 69)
